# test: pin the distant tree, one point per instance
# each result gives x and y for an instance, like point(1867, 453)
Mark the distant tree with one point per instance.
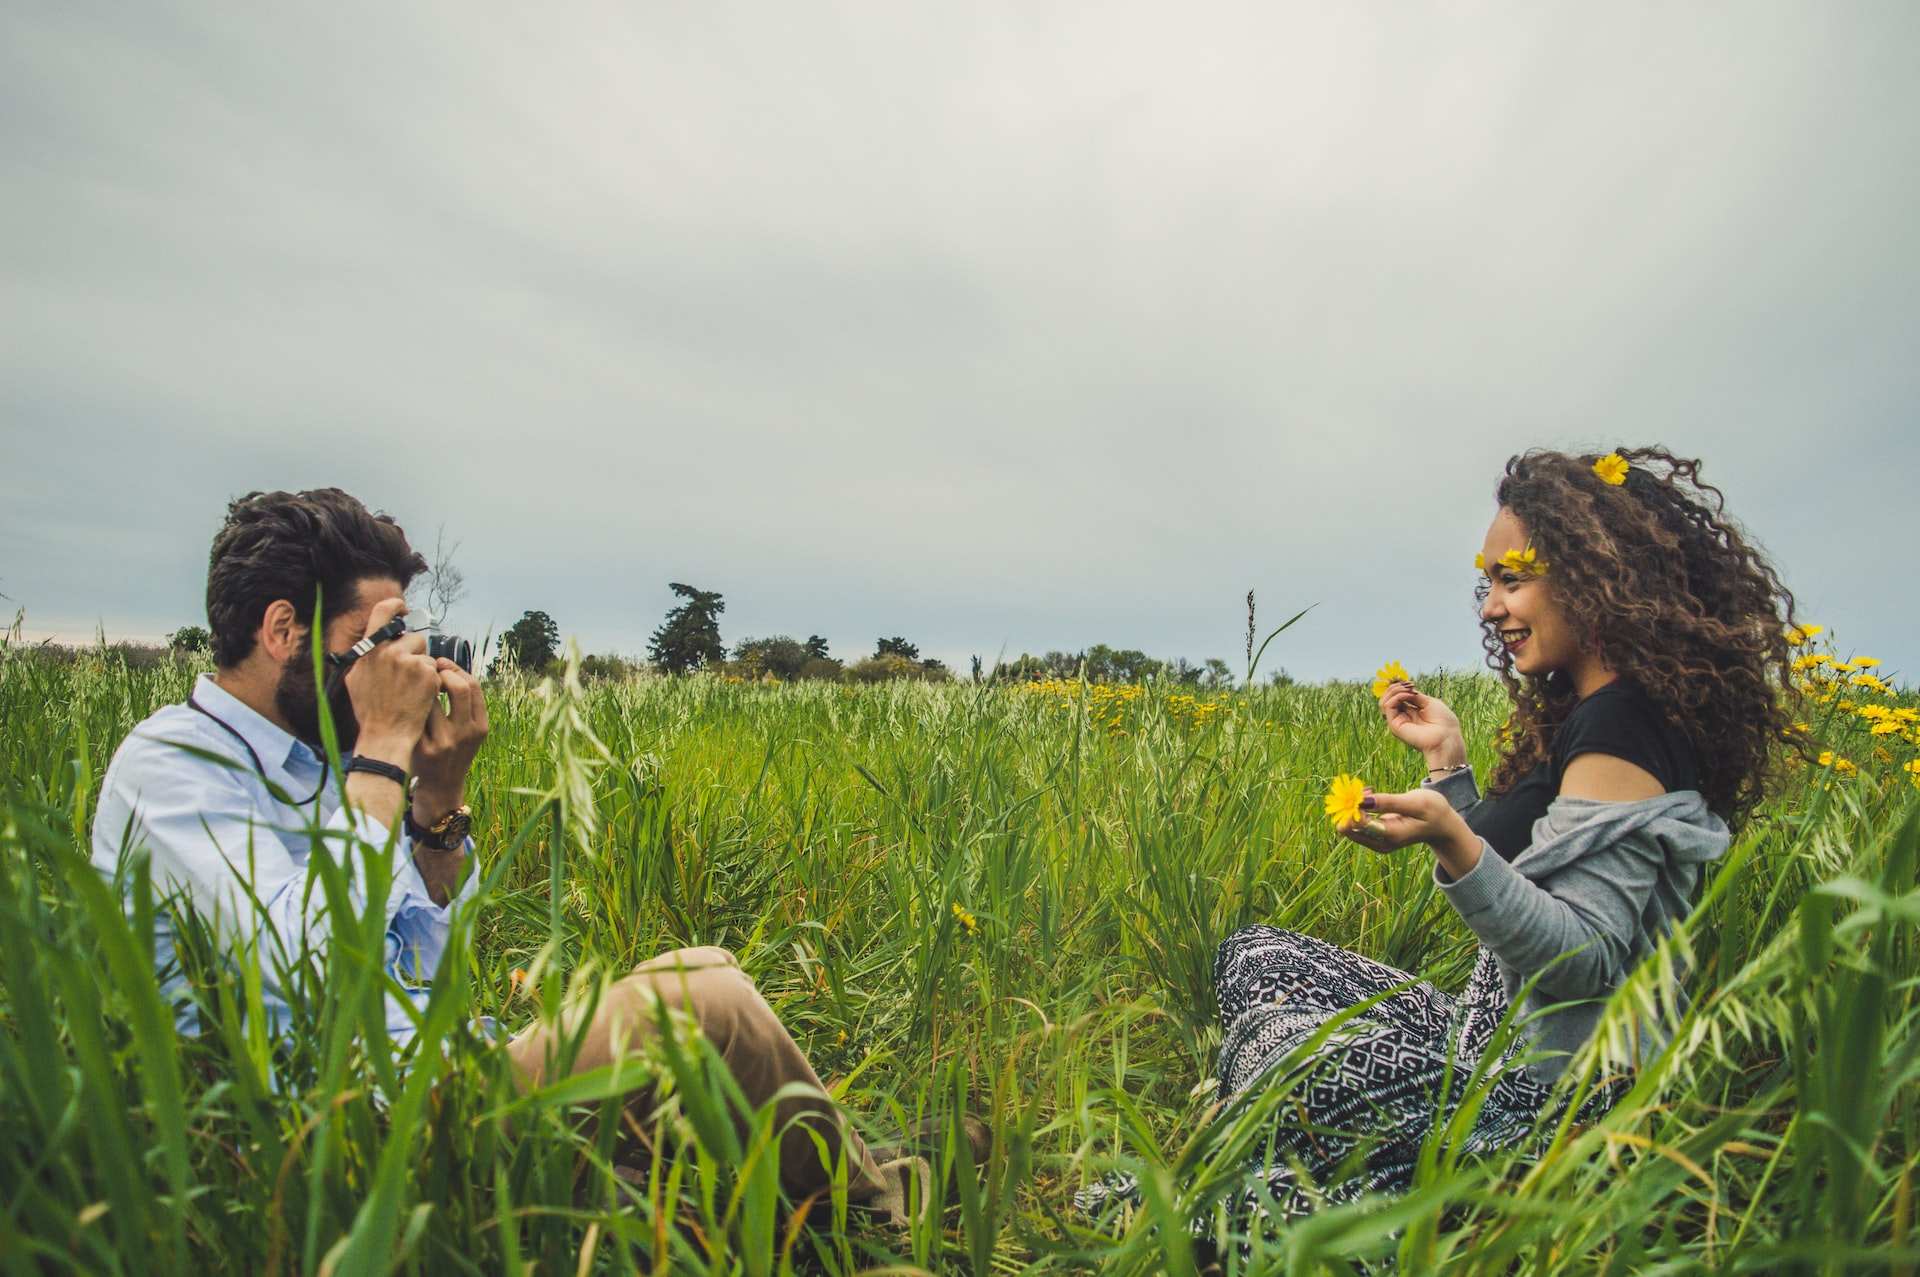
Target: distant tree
point(1218, 674)
point(816, 647)
point(892, 665)
point(781, 656)
point(607, 667)
point(446, 583)
point(689, 638)
point(530, 643)
point(190, 638)
point(976, 668)
point(897, 646)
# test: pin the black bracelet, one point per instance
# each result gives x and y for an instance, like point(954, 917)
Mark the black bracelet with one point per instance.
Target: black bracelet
point(374, 767)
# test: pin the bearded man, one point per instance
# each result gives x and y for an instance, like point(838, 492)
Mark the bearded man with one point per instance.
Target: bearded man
point(229, 796)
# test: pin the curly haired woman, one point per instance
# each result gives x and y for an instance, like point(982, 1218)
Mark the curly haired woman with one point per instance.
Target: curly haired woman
point(1643, 643)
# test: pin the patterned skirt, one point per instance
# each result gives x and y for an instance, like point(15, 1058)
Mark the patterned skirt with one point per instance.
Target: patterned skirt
point(1361, 1105)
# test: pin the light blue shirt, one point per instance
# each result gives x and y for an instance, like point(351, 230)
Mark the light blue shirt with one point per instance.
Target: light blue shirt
point(219, 836)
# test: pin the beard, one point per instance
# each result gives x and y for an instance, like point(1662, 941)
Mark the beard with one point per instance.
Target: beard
point(298, 700)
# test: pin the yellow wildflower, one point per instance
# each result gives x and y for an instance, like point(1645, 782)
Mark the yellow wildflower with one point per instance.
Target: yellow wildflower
point(1387, 675)
point(1885, 727)
point(1524, 561)
point(1799, 634)
point(1612, 469)
point(967, 921)
point(1343, 799)
point(1868, 680)
point(1865, 662)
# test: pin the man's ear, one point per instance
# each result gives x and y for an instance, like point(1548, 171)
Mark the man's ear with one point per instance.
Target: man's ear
point(281, 634)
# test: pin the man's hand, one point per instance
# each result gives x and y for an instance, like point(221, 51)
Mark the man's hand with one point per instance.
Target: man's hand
point(446, 749)
point(1393, 821)
point(391, 688)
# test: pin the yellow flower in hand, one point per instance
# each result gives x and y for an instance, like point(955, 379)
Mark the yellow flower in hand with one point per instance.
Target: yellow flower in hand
point(1343, 799)
point(1612, 469)
point(1387, 675)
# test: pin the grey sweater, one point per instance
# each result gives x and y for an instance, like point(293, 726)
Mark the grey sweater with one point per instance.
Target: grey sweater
point(1601, 883)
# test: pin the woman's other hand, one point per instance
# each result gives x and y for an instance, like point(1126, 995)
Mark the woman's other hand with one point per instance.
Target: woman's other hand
point(1425, 723)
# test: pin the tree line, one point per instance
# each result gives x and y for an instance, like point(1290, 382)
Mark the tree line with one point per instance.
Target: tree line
point(688, 639)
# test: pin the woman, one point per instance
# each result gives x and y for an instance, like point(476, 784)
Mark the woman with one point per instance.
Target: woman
point(1643, 643)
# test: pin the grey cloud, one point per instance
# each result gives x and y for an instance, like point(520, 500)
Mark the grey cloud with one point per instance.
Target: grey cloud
point(1009, 325)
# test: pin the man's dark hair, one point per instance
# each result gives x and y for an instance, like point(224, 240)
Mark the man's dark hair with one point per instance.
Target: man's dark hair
point(281, 545)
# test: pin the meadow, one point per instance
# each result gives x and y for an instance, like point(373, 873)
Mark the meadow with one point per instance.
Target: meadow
point(999, 898)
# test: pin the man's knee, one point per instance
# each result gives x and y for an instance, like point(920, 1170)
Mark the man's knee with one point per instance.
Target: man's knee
point(708, 984)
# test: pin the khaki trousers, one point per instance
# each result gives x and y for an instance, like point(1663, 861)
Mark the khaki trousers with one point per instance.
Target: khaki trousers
point(708, 985)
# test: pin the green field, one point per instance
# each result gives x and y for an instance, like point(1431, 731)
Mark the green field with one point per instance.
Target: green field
point(1101, 843)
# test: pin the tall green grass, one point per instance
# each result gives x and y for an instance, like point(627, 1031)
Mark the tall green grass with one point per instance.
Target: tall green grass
point(825, 833)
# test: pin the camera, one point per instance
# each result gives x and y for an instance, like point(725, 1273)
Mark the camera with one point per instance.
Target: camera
point(453, 647)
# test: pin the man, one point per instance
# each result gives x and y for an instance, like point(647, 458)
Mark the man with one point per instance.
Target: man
point(229, 792)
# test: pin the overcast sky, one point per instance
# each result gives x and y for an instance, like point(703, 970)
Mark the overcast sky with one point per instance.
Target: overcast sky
point(1014, 327)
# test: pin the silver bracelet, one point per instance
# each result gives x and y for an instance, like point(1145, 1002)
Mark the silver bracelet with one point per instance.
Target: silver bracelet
point(1447, 771)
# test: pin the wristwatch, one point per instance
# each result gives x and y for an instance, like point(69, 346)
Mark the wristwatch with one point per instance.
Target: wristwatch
point(449, 833)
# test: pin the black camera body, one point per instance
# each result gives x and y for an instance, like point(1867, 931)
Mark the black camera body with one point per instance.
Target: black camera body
point(453, 647)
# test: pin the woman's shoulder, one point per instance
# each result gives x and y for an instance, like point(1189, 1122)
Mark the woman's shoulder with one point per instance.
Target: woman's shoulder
point(1622, 720)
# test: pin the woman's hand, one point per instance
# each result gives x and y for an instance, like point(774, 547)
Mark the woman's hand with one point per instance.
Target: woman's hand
point(1425, 723)
point(1393, 821)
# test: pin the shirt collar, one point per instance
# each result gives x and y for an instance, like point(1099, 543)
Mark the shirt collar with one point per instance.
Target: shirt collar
point(277, 747)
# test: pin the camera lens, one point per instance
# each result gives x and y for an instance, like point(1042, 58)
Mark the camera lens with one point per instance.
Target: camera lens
point(453, 647)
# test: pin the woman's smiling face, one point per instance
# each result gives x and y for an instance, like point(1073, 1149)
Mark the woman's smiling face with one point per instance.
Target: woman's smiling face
point(1536, 633)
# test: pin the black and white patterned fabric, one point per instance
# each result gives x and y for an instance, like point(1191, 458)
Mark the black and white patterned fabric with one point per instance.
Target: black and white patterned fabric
point(1367, 1096)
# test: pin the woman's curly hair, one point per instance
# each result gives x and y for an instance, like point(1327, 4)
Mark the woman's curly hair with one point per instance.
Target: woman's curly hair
point(1661, 584)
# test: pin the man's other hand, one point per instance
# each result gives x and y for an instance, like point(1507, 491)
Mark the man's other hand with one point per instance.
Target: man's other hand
point(446, 749)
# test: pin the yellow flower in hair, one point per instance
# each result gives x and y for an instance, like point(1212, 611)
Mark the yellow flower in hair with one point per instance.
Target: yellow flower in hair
point(1387, 675)
point(1612, 469)
point(1479, 561)
point(1343, 799)
point(1524, 561)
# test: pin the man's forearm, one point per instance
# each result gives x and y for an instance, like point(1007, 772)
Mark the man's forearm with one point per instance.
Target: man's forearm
point(440, 870)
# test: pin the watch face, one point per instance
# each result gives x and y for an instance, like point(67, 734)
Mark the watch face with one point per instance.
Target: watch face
point(452, 830)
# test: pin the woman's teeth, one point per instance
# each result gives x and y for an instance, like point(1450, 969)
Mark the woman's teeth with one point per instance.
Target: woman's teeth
point(1514, 638)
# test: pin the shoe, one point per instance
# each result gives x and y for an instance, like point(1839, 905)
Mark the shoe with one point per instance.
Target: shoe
point(891, 1205)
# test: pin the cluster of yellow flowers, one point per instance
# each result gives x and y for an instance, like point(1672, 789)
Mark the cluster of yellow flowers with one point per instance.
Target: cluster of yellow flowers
point(968, 923)
point(1108, 704)
point(1856, 699)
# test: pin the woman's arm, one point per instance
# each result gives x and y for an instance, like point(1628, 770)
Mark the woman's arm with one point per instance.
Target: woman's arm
point(1593, 910)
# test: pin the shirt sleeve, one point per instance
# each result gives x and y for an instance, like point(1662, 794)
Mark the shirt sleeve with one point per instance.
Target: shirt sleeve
point(210, 839)
point(1616, 726)
point(420, 926)
point(1578, 934)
